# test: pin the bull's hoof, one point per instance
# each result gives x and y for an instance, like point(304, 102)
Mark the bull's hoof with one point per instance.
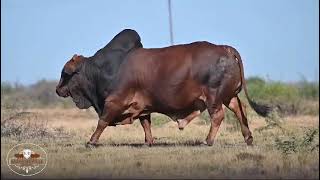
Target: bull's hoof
point(149, 142)
point(181, 124)
point(203, 143)
point(209, 143)
point(206, 143)
point(91, 145)
point(147, 145)
point(249, 140)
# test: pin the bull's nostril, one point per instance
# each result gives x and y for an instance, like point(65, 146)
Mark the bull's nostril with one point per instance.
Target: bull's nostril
point(58, 92)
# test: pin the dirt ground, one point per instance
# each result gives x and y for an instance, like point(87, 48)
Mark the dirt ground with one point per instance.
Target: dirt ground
point(176, 154)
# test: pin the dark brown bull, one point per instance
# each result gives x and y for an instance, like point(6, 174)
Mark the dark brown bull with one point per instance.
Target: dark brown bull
point(179, 81)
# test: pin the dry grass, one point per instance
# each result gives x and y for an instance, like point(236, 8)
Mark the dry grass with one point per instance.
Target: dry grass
point(176, 154)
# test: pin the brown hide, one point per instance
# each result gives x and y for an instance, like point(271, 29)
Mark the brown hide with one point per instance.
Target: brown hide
point(176, 80)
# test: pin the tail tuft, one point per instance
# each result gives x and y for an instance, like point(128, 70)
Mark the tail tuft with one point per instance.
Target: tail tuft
point(261, 109)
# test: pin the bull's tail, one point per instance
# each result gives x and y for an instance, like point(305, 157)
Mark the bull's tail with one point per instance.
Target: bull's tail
point(261, 109)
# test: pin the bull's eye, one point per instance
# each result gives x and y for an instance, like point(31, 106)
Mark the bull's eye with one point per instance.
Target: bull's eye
point(64, 73)
point(65, 78)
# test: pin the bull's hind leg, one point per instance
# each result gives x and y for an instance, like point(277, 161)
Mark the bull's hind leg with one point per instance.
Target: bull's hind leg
point(182, 123)
point(216, 112)
point(217, 115)
point(199, 106)
point(239, 110)
point(146, 124)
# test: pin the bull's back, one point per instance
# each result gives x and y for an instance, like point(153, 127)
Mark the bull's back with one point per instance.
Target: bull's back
point(174, 65)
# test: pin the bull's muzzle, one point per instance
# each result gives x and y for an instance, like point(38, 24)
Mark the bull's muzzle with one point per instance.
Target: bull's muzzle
point(62, 92)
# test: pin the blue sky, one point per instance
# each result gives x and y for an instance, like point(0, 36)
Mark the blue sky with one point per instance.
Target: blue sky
point(277, 39)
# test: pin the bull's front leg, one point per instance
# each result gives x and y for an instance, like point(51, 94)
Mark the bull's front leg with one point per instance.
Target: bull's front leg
point(146, 124)
point(111, 110)
point(97, 133)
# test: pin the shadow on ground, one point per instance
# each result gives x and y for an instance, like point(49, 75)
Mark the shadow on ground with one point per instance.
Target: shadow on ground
point(196, 143)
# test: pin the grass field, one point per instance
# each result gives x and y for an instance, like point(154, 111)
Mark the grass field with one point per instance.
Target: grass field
point(285, 147)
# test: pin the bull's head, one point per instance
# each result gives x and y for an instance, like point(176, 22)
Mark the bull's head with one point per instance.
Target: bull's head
point(72, 82)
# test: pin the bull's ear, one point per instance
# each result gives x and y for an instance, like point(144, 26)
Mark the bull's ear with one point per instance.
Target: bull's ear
point(74, 65)
point(74, 68)
point(69, 69)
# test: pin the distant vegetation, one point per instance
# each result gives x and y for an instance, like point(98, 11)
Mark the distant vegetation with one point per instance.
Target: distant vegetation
point(38, 95)
point(288, 98)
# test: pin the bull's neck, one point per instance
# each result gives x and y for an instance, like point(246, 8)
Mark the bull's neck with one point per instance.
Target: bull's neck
point(100, 74)
point(96, 85)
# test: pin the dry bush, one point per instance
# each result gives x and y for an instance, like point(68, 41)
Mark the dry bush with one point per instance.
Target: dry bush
point(24, 125)
point(273, 120)
point(292, 144)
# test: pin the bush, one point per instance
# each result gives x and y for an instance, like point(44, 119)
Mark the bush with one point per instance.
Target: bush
point(159, 120)
point(293, 144)
point(38, 95)
point(273, 121)
point(23, 125)
point(308, 90)
point(6, 88)
point(44, 92)
point(288, 98)
point(272, 92)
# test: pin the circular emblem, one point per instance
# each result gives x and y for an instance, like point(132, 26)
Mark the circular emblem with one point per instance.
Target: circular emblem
point(27, 159)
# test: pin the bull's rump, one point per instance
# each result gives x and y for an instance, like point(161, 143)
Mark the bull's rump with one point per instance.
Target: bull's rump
point(176, 76)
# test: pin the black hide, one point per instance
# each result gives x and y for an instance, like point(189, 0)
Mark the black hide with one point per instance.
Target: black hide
point(90, 84)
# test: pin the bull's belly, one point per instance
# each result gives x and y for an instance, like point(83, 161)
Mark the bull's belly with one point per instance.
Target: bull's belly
point(176, 106)
point(175, 114)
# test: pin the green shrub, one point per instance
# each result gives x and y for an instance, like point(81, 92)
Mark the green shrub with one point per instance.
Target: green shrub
point(287, 146)
point(159, 120)
point(272, 91)
point(6, 88)
point(292, 144)
point(206, 117)
point(309, 90)
point(288, 98)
